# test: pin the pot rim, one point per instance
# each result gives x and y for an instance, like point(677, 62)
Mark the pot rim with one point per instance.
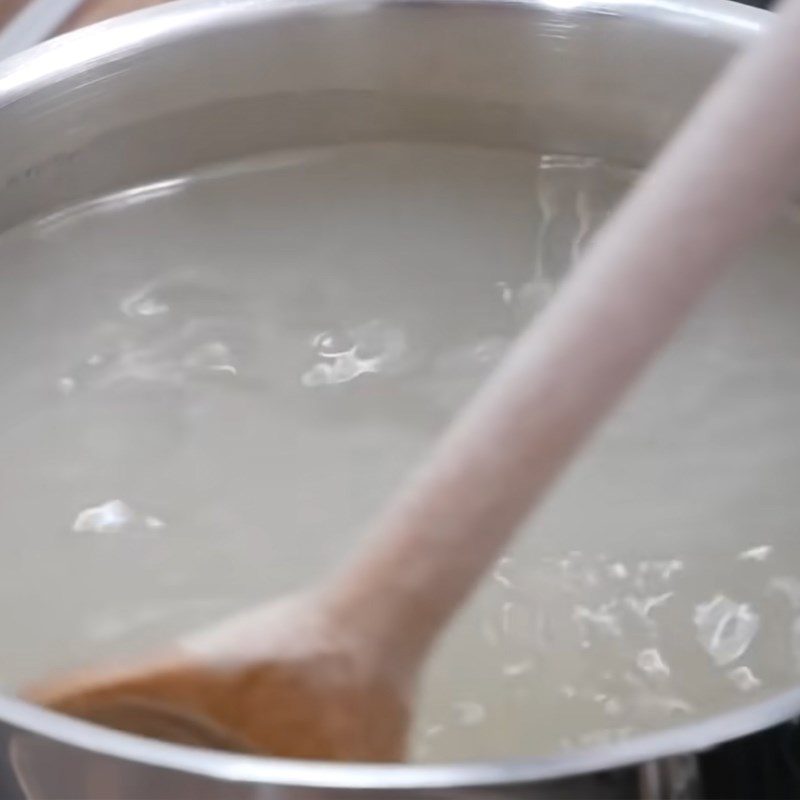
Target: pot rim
point(687, 738)
point(67, 55)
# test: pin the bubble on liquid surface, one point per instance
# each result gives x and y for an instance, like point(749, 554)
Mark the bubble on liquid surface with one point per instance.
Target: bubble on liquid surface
point(642, 606)
point(66, 385)
point(743, 678)
point(179, 294)
point(618, 570)
point(376, 346)
point(502, 572)
point(652, 663)
point(661, 570)
point(114, 516)
point(175, 329)
point(515, 669)
point(602, 619)
point(143, 306)
point(760, 553)
point(110, 517)
point(725, 628)
point(214, 356)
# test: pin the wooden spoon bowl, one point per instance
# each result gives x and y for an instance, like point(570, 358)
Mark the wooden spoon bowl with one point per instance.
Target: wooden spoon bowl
point(314, 697)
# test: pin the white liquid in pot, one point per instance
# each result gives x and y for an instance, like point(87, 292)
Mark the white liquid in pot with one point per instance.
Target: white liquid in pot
point(210, 385)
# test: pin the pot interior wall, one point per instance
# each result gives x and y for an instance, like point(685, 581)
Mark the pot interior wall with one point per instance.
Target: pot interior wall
point(95, 113)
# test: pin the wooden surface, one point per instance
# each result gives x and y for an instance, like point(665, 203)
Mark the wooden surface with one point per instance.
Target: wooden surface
point(91, 11)
point(97, 10)
point(8, 8)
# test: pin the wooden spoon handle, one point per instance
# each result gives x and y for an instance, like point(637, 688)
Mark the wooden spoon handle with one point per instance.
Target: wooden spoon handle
point(726, 173)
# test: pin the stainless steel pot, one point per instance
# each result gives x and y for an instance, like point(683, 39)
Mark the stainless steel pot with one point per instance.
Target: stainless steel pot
point(164, 91)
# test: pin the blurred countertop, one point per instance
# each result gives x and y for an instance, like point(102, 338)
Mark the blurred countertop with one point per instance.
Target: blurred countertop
point(97, 10)
point(89, 11)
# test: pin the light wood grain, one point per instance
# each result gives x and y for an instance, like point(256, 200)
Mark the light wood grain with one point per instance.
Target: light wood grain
point(98, 10)
point(9, 9)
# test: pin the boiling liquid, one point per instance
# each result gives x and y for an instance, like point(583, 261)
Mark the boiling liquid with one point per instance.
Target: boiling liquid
point(211, 384)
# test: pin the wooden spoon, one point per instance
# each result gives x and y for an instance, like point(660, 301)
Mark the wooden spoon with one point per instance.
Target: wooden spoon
point(330, 674)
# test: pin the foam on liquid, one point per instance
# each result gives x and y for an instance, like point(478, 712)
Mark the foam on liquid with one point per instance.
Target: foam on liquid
point(210, 384)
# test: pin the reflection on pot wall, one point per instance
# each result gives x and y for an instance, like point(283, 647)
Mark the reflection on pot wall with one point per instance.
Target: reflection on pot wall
point(35, 768)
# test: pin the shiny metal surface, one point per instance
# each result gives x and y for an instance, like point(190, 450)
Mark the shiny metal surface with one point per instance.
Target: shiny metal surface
point(154, 94)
